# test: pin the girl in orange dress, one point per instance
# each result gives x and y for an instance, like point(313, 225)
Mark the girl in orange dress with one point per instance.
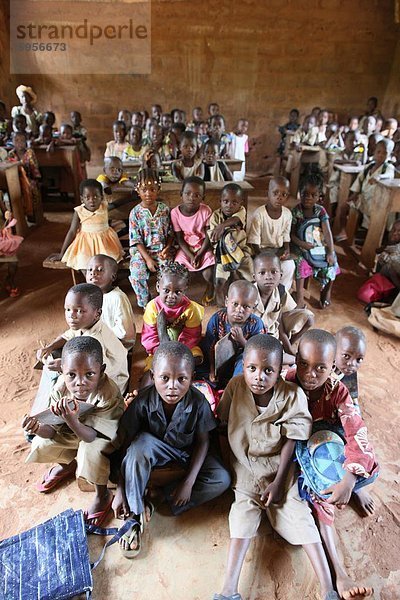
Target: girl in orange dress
point(89, 233)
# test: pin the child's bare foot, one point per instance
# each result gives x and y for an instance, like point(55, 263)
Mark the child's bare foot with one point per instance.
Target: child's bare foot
point(364, 502)
point(99, 509)
point(348, 590)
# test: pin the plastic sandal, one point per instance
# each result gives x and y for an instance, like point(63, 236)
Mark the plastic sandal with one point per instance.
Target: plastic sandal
point(99, 516)
point(14, 292)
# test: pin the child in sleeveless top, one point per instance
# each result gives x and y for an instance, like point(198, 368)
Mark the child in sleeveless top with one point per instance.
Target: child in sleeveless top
point(190, 163)
point(89, 233)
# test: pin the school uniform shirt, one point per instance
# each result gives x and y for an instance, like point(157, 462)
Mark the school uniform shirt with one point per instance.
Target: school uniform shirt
point(218, 326)
point(117, 314)
point(192, 415)
point(271, 313)
point(267, 232)
point(255, 438)
point(218, 217)
point(114, 353)
point(104, 179)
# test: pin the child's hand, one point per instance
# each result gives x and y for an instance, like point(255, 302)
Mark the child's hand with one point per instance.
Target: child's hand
point(165, 253)
point(120, 504)
point(30, 424)
point(129, 398)
point(216, 233)
point(212, 377)
point(341, 491)
point(181, 494)
point(196, 260)
point(330, 258)
point(307, 245)
point(64, 409)
point(285, 256)
point(151, 265)
point(272, 494)
point(237, 335)
point(53, 364)
point(41, 353)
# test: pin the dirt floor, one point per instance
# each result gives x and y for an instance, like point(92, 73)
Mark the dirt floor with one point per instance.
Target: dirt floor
point(184, 558)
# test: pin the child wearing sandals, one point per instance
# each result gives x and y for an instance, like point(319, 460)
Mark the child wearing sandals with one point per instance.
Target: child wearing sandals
point(190, 221)
point(310, 210)
point(150, 234)
point(81, 444)
point(264, 417)
point(332, 408)
point(171, 315)
point(168, 422)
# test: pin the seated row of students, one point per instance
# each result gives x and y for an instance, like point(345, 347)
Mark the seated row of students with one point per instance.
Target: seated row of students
point(188, 145)
point(155, 431)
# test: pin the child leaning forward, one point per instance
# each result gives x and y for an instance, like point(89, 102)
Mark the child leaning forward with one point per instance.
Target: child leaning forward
point(264, 417)
point(168, 422)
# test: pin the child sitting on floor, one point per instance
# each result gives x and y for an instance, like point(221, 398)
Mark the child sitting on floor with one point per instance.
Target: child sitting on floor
point(118, 145)
point(214, 168)
point(270, 227)
point(117, 311)
point(276, 306)
point(81, 444)
point(332, 408)
point(89, 233)
point(227, 234)
point(239, 322)
point(150, 234)
point(190, 221)
point(264, 417)
point(314, 258)
point(168, 422)
point(190, 162)
point(171, 315)
point(82, 307)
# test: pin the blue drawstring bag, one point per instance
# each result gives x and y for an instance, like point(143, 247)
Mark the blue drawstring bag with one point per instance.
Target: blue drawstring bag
point(51, 561)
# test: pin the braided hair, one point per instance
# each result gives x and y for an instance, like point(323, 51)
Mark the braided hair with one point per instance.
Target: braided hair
point(146, 176)
point(170, 267)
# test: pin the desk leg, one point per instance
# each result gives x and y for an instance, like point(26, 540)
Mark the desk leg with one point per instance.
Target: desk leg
point(380, 210)
point(14, 191)
point(72, 158)
point(295, 175)
point(344, 187)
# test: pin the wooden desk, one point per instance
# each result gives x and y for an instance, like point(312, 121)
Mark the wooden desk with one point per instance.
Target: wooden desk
point(9, 182)
point(309, 154)
point(171, 194)
point(347, 175)
point(131, 167)
point(386, 199)
point(66, 157)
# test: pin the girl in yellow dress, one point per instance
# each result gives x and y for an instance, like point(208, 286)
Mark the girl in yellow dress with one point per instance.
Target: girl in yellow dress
point(89, 233)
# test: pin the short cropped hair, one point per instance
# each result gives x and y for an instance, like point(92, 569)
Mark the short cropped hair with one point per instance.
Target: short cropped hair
point(107, 259)
point(84, 344)
point(270, 254)
point(233, 187)
point(278, 180)
point(173, 350)
point(242, 284)
point(171, 267)
point(90, 183)
point(92, 292)
point(352, 332)
point(265, 342)
point(389, 144)
point(66, 126)
point(119, 123)
point(194, 179)
point(313, 178)
point(189, 135)
point(319, 336)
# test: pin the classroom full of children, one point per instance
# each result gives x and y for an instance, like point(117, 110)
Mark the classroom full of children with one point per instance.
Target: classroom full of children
point(249, 399)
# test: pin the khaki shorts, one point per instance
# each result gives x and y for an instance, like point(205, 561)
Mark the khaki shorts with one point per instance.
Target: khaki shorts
point(292, 519)
point(294, 320)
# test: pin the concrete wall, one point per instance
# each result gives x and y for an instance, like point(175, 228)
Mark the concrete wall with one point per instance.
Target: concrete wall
point(256, 59)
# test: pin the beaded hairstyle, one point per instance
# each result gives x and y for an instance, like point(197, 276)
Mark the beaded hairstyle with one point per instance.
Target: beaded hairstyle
point(171, 267)
point(146, 177)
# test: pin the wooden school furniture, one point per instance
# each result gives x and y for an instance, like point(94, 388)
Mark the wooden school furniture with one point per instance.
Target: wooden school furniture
point(66, 157)
point(9, 182)
point(131, 167)
point(347, 175)
point(386, 199)
point(308, 154)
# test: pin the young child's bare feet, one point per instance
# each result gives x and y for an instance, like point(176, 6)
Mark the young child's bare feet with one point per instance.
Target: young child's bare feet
point(348, 590)
point(364, 502)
